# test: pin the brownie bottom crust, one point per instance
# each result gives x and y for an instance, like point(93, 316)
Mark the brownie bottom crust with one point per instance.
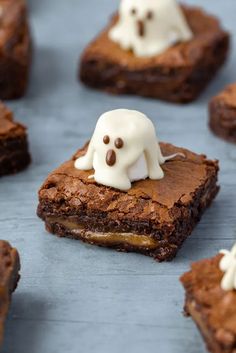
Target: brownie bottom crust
point(14, 155)
point(153, 218)
point(9, 277)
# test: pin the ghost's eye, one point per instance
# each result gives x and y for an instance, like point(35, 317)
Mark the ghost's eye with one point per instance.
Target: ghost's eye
point(150, 15)
point(133, 11)
point(119, 143)
point(106, 139)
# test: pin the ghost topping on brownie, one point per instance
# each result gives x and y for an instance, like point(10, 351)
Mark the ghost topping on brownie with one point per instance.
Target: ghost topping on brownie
point(149, 27)
point(228, 266)
point(124, 148)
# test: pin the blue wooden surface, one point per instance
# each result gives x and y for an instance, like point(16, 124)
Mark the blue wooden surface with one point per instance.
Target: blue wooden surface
point(74, 297)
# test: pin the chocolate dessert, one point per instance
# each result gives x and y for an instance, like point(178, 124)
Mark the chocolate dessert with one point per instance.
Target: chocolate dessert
point(15, 49)
point(222, 114)
point(211, 302)
point(14, 154)
point(9, 277)
point(179, 74)
point(101, 207)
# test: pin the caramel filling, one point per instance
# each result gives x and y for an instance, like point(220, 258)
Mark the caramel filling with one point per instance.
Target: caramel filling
point(108, 238)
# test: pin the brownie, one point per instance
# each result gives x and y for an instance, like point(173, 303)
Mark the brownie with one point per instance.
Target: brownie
point(178, 75)
point(15, 49)
point(222, 114)
point(14, 154)
point(153, 218)
point(212, 308)
point(9, 276)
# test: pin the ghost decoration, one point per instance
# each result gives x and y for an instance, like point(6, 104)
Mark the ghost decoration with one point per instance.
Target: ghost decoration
point(124, 148)
point(228, 265)
point(149, 27)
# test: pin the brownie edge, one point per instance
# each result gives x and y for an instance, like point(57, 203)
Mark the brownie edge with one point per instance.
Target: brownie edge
point(14, 150)
point(211, 308)
point(9, 277)
point(15, 49)
point(222, 114)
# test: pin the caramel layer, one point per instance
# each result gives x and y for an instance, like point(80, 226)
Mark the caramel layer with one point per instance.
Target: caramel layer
point(109, 238)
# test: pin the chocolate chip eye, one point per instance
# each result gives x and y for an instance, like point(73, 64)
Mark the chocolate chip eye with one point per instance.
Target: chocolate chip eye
point(106, 139)
point(133, 12)
point(119, 143)
point(150, 15)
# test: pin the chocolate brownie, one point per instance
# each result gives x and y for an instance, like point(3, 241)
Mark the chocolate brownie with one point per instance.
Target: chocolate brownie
point(212, 308)
point(222, 113)
point(178, 75)
point(9, 277)
point(14, 155)
point(153, 218)
point(15, 49)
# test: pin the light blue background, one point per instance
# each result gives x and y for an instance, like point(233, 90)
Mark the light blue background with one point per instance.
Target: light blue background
point(78, 298)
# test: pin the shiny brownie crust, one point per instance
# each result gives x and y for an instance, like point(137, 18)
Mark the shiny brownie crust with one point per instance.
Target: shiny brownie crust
point(9, 277)
point(164, 212)
point(178, 75)
point(222, 114)
point(15, 49)
point(212, 309)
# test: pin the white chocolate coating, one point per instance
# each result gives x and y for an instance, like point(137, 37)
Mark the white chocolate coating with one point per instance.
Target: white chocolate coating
point(149, 27)
point(228, 265)
point(118, 166)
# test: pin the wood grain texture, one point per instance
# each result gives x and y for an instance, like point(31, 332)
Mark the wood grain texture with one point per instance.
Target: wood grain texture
point(74, 297)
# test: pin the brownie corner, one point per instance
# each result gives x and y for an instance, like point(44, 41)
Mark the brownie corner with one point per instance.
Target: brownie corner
point(16, 50)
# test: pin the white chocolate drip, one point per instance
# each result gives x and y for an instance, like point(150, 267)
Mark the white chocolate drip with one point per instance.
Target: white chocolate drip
point(124, 148)
point(149, 27)
point(228, 265)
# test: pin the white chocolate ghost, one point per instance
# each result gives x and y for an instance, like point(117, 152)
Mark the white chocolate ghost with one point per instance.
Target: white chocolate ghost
point(149, 27)
point(228, 265)
point(124, 148)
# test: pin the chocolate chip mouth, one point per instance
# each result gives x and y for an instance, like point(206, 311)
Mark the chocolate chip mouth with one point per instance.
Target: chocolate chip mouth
point(111, 158)
point(141, 28)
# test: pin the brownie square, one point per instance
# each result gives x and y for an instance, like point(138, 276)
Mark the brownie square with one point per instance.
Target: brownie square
point(222, 114)
point(9, 277)
point(14, 154)
point(15, 49)
point(212, 308)
point(153, 218)
point(178, 75)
